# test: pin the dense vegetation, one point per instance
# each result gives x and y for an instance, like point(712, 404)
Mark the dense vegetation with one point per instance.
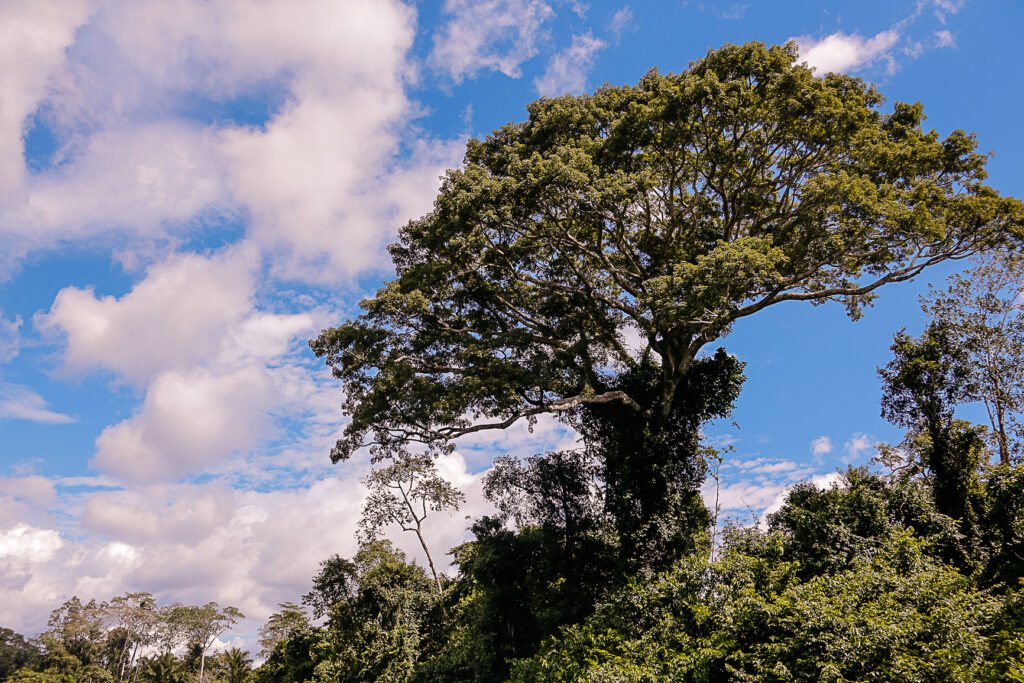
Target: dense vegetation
point(662, 213)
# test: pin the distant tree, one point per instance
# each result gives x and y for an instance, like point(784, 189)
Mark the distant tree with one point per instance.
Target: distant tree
point(1003, 527)
point(15, 652)
point(280, 626)
point(828, 529)
point(378, 633)
point(164, 668)
point(79, 629)
point(236, 666)
point(561, 490)
point(336, 581)
point(662, 213)
point(293, 660)
point(135, 615)
point(201, 626)
point(403, 493)
point(983, 312)
point(922, 386)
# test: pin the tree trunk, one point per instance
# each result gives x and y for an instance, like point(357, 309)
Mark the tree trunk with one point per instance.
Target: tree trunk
point(430, 560)
point(1004, 446)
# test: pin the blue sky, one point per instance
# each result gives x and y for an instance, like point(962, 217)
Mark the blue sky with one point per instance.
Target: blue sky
point(191, 190)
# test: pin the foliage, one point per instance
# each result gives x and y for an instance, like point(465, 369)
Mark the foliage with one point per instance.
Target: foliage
point(15, 652)
point(164, 668)
point(826, 529)
point(200, 626)
point(402, 493)
point(663, 212)
point(922, 387)
point(1003, 527)
point(983, 310)
point(376, 631)
point(233, 666)
point(894, 616)
point(292, 660)
point(280, 626)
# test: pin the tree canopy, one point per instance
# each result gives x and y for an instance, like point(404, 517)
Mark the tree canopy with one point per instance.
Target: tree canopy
point(617, 234)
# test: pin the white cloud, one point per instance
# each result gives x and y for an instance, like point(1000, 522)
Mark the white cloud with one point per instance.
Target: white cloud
point(567, 70)
point(22, 403)
point(199, 542)
point(188, 420)
point(10, 338)
point(32, 488)
point(743, 497)
point(146, 179)
point(491, 35)
point(821, 446)
point(944, 39)
point(217, 370)
point(942, 7)
point(859, 444)
point(33, 38)
point(580, 9)
point(843, 52)
point(184, 514)
point(27, 544)
point(323, 184)
point(176, 317)
point(621, 21)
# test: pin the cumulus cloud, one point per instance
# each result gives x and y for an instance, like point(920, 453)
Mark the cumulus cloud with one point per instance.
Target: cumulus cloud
point(141, 178)
point(197, 542)
point(188, 420)
point(214, 366)
point(174, 318)
point(857, 445)
point(821, 446)
point(32, 488)
point(323, 182)
point(23, 548)
point(567, 70)
point(842, 51)
point(492, 35)
point(33, 38)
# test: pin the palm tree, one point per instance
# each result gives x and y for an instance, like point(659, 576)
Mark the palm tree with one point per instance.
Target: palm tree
point(163, 669)
point(237, 666)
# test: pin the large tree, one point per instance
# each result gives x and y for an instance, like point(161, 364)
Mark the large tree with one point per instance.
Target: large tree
point(631, 228)
point(581, 260)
